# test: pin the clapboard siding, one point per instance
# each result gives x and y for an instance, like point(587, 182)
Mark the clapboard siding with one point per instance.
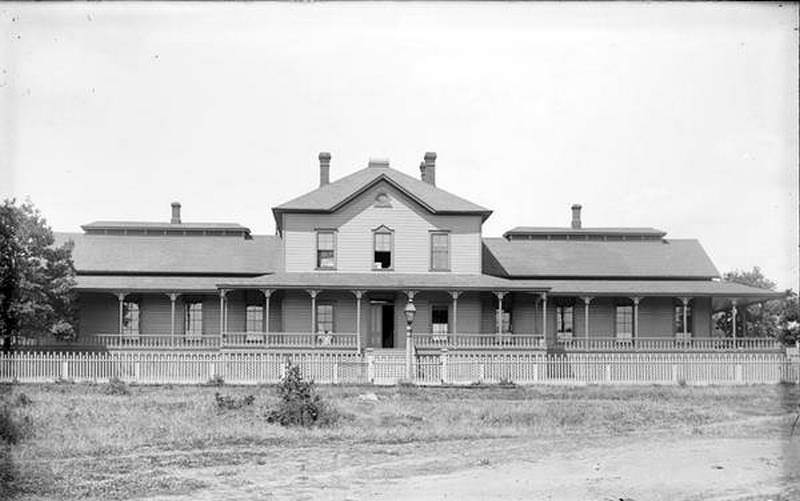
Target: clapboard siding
point(99, 314)
point(655, 317)
point(154, 314)
point(354, 241)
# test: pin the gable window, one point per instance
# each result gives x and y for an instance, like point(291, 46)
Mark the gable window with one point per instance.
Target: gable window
point(624, 322)
point(564, 319)
point(324, 318)
point(383, 243)
point(326, 250)
point(677, 320)
point(193, 324)
point(440, 251)
point(254, 318)
point(439, 321)
point(130, 318)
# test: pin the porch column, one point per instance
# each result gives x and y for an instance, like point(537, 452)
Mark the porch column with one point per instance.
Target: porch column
point(636, 316)
point(499, 319)
point(359, 295)
point(733, 320)
point(172, 298)
point(586, 301)
point(222, 293)
point(685, 301)
point(267, 294)
point(454, 295)
point(544, 316)
point(121, 298)
point(313, 294)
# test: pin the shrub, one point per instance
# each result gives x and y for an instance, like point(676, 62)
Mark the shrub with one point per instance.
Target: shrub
point(216, 380)
point(10, 427)
point(225, 402)
point(22, 400)
point(116, 386)
point(299, 403)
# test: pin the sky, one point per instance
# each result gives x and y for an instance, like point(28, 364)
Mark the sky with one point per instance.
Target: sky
point(682, 117)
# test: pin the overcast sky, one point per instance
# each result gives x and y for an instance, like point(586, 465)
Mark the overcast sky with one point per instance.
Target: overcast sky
point(683, 117)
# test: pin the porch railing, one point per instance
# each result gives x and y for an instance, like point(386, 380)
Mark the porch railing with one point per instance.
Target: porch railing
point(488, 341)
point(667, 344)
point(145, 341)
point(289, 340)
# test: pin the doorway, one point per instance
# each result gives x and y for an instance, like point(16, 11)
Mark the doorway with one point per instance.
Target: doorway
point(381, 328)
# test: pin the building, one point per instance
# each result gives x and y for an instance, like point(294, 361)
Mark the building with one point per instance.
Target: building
point(350, 256)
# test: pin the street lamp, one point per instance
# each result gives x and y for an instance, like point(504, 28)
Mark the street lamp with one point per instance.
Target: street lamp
point(410, 311)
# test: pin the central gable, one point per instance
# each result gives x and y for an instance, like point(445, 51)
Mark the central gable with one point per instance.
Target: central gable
point(382, 207)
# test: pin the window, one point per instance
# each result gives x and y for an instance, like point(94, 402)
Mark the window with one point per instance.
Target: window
point(383, 244)
point(326, 250)
point(440, 251)
point(130, 318)
point(564, 320)
point(254, 318)
point(506, 325)
point(194, 319)
point(439, 321)
point(625, 322)
point(324, 318)
point(677, 321)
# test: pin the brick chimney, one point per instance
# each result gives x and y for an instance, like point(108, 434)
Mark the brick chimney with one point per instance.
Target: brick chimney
point(576, 216)
point(176, 213)
point(324, 168)
point(427, 168)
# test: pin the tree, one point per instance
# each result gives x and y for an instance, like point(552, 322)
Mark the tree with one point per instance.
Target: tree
point(778, 318)
point(37, 278)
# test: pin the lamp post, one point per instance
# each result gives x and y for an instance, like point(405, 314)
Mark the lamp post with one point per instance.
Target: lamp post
point(410, 310)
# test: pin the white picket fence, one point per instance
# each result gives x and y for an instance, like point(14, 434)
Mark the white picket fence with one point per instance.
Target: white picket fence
point(456, 368)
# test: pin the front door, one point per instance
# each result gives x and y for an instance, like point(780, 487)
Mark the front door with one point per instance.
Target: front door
point(381, 325)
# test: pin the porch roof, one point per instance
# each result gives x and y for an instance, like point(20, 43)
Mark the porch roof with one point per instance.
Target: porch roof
point(380, 280)
point(144, 283)
point(721, 292)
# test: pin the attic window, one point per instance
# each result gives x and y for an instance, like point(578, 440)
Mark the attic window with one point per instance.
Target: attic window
point(382, 200)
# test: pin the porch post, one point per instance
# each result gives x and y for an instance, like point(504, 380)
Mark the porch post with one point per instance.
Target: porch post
point(222, 293)
point(172, 298)
point(313, 294)
point(499, 319)
point(636, 316)
point(121, 297)
point(359, 295)
point(544, 316)
point(733, 320)
point(685, 301)
point(267, 294)
point(586, 301)
point(455, 295)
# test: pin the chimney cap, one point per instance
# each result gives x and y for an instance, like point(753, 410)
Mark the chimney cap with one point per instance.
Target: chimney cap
point(324, 155)
point(430, 155)
point(577, 206)
point(176, 204)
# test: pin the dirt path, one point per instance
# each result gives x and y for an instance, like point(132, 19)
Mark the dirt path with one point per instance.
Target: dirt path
point(638, 468)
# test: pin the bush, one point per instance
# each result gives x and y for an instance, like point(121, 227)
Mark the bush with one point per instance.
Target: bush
point(22, 400)
point(300, 404)
point(216, 380)
point(225, 402)
point(116, 386)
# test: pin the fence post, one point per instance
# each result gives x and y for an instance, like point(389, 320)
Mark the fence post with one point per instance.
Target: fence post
point(443, 360)
point(738, 373)
point(370, 356)
point(137, 370)
point(675, 373)
point(535, 372)
point(607, 374)
point(64, 368)
point(481, 373)
point(336, 372)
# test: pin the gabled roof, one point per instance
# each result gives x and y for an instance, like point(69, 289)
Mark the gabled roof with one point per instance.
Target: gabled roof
point(201, 255)
point(673, 259)
point(620, 232)
point(330, 197)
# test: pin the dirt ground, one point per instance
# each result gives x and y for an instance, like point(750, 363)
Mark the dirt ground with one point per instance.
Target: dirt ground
point(632, 468)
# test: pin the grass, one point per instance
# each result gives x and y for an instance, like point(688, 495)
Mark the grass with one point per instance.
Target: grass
point(87, 442)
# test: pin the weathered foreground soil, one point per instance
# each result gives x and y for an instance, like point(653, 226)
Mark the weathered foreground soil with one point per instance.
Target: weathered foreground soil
point(635, 468)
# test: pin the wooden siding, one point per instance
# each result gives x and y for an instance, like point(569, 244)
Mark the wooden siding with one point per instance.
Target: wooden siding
point(99, 313)
point(354, 245)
